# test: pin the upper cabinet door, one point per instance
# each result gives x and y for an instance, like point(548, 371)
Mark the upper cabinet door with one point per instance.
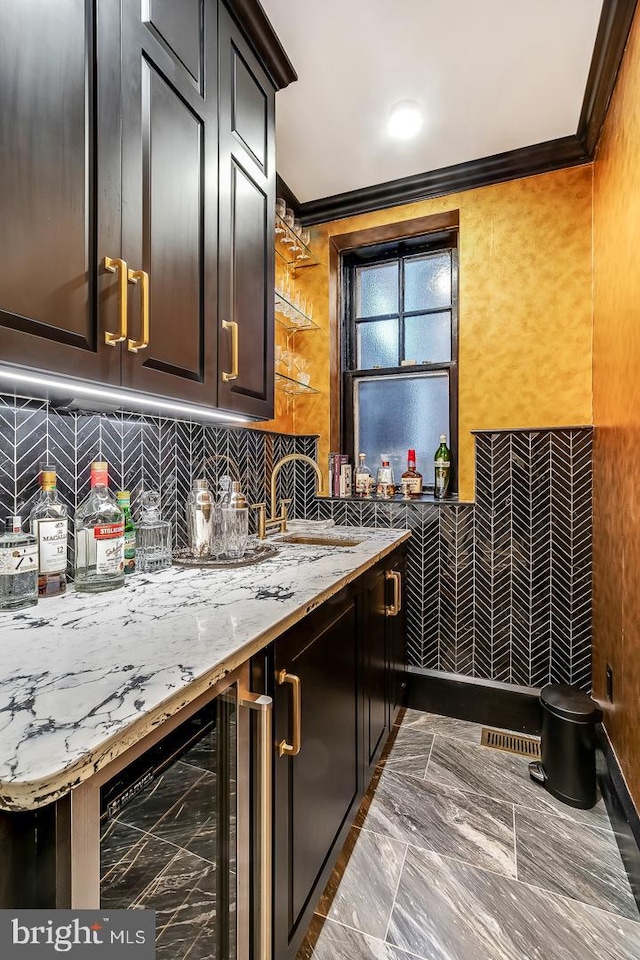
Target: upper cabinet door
point(169, 191)
point(59, 185)
point(247, 212)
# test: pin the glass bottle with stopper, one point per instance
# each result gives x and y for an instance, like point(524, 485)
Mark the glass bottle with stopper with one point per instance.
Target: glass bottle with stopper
point(153, 551)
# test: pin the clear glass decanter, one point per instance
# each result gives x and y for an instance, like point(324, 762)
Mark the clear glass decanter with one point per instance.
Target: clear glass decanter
point(153, 549)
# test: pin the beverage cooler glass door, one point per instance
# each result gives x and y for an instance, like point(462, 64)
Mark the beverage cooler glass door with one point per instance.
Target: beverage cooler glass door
point(179, 833)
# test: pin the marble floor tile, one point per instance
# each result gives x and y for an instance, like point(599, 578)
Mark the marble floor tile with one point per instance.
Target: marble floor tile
point(410, 754)
point(476, 829)
point(574, 860)
point(504, 776)
point(416, 723)
point(332, 941)
point(189, 815)
point(446, 910)
point(363, 885)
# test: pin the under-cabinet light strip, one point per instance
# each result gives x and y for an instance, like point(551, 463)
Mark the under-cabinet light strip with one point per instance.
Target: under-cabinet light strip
point(132, 401)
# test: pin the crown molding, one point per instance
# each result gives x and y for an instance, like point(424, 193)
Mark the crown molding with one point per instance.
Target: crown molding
point(611, 39)
point(525, 162)
point(253, 20)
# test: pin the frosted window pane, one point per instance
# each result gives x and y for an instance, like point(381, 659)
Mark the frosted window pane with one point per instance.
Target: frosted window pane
point(394, 414)
point(378, 344)
point(428, 339)
point(377, 290)
point(427, 282)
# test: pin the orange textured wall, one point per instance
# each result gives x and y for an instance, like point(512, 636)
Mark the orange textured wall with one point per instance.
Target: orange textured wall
point(525, 306)
point(616, 384)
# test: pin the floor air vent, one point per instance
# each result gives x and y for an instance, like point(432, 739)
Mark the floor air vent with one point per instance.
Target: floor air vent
point(511, 743)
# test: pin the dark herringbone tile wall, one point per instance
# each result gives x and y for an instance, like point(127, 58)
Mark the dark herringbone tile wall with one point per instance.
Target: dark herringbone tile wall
point(143, 452)
point(500, 589)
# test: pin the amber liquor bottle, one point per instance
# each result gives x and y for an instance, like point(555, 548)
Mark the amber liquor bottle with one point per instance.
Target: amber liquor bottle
point(411, 480)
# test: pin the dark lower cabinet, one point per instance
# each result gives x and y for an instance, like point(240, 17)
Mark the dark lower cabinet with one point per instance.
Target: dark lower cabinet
point(395, 577)
point(337, 683)
point(317, 788)
point(375, 667)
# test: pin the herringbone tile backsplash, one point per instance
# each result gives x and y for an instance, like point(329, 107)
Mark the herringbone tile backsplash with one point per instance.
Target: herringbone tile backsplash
point(501, 589)
point(143, 452)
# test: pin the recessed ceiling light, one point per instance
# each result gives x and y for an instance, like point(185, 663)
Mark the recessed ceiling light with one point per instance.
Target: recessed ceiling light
point(405, 120)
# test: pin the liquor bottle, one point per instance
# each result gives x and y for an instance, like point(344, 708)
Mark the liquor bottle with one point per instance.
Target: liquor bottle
point(123, 498)
point(50, 526)
point(442, 464)
point(411, 480)
point(153, 548)
point(385, 482)
point(18, 567)
point(99, 537)
point(362, 477)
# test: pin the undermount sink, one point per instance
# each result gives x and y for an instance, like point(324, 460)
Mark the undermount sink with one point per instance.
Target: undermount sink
point(319, 540)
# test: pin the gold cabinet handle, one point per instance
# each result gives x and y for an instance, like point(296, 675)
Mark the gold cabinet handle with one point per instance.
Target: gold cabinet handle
point(233, 326)
point(292, 749)
point(394, 609)
point(120, 267)
point(134, 276)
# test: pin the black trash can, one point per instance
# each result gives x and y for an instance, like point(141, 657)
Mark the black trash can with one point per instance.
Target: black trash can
point(567, 768)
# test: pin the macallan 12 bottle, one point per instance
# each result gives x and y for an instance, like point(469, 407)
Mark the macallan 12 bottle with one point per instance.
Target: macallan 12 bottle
point(50, 526)
point(99, 537)
point(411, 480)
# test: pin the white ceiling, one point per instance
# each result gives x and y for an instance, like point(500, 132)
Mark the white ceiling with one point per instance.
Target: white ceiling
point(490, 76)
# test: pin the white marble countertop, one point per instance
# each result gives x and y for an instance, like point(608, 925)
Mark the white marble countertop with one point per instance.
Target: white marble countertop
point(85, 676)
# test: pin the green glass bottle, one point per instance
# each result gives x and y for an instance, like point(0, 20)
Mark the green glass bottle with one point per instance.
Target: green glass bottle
point(442, 464)
point(124, 502)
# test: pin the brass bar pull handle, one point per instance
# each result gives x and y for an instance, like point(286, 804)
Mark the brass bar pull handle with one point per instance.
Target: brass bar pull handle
point(394, 609)
point(120, 267)
point(262, 705)
point(233, 326)
point(292, 749)
point(134, 276)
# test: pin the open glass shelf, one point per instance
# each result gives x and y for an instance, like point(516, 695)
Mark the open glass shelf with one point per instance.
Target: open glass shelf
point(301, 256)
point(291, 317)
point(293, 388)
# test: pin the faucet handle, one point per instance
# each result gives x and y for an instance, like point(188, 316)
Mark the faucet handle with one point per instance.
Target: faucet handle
point(262, 519)
point(284, 513)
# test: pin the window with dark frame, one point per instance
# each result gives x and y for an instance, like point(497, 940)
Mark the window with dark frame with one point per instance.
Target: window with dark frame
point(400, 351)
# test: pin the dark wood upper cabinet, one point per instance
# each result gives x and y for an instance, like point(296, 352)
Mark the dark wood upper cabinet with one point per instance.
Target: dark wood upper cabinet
point(246, 243)
point(132, 131)
point(59, 185)
point(169, 194)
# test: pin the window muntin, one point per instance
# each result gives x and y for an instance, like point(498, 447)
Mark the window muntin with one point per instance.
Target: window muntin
point(401, 305)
